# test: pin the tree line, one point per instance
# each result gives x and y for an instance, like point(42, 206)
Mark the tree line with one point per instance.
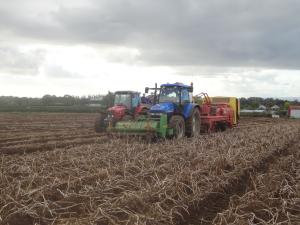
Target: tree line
point(92, 103)
point(52, 103)
point(255, 102)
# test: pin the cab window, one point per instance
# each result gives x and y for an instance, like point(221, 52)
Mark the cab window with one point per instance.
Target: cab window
point(135, 100)
point(185, 95)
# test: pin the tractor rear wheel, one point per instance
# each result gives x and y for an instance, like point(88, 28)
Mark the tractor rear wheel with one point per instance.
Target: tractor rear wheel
point(99, 123)
point(178, 125)
point(193, 124)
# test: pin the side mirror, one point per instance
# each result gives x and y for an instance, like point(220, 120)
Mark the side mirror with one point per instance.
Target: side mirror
point(146, 90)
point(192, 87)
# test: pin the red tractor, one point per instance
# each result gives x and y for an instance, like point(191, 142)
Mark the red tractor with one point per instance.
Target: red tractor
point(127, 105)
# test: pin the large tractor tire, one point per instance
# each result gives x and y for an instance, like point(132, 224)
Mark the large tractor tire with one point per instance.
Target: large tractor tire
point(99, 123)
point(178, 125)
point(193, 124)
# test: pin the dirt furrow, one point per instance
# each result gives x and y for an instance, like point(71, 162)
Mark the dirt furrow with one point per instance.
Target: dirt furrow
point(37, 135)
point(203, 211)
point(41, 140)
point(24, 149)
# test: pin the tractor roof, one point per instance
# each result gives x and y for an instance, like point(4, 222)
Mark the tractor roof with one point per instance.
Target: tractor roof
point(177, 84)
point(126, 92)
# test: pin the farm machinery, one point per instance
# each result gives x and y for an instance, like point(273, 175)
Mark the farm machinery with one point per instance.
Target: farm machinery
point(127, 105)
point(177, 113)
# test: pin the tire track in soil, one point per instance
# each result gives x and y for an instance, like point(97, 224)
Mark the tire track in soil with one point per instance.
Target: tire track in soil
point(25, 149)
point(45, 135)
point(20, 132)
point(202, 212)
point(46, 139)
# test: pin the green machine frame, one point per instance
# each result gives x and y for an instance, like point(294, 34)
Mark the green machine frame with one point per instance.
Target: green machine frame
point(144, 126)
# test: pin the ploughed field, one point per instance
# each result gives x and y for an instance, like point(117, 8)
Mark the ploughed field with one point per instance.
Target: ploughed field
point(56, 170)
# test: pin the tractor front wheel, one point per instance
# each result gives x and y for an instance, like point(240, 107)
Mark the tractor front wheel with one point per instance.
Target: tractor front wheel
point(193, 124)
point(99, 123)
point(178, 125)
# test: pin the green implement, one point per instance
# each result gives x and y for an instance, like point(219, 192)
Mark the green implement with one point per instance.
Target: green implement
point(144, 126)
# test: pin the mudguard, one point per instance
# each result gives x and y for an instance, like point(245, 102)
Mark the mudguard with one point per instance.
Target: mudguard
point(188, 109)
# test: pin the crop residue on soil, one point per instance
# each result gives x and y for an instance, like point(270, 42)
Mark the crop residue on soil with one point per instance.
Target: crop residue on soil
point(56, 170)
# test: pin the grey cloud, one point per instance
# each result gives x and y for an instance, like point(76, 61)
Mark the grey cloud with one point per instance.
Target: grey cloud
point(244, 33)
point(57, 71)
point(14, 61)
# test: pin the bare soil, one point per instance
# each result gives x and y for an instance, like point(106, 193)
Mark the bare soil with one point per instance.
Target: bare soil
point(55, 170)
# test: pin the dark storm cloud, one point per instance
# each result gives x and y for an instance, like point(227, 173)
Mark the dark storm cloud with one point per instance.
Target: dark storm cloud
point(230, 33)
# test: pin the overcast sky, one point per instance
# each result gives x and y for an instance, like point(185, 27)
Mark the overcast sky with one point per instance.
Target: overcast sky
point(80, 47)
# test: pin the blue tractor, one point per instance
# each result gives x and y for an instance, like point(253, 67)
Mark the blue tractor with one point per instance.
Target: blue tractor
point(173, 115)
point(176, 102)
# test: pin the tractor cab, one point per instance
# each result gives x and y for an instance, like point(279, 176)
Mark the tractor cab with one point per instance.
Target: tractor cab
point(129, 99)
point(125, 103)
point(176, 93)
point(174, 99)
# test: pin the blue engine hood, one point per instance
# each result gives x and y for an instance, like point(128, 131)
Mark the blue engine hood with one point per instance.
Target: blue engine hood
point(166, 107)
